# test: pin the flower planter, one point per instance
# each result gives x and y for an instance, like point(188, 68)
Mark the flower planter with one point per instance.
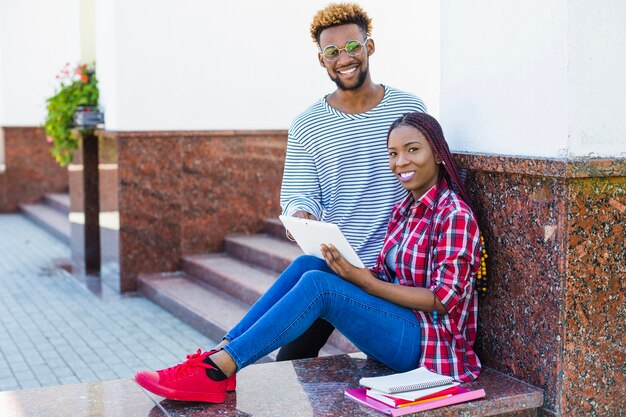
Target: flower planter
point(88, 117)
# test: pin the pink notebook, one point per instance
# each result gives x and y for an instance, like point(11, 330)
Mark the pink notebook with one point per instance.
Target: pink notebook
point(359, 395)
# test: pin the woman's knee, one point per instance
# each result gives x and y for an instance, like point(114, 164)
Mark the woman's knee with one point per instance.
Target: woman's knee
point(321, 281)
point(308, 263)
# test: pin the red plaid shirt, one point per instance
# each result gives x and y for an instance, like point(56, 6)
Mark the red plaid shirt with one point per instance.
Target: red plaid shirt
point(447, 344)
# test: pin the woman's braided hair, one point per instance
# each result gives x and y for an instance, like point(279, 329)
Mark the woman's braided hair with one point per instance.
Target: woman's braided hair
point(431, 129)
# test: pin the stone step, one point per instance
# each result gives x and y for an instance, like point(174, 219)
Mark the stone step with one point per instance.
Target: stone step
point(240, 280)
point(263, 250)
point(58, 201)
point(246, 282)
point(50, 219)
point(205, 308)
point(274, 227)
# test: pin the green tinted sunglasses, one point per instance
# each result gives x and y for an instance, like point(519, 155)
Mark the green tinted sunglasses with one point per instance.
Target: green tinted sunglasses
point(353, 48)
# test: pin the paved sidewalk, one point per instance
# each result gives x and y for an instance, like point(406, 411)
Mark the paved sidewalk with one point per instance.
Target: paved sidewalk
point(54, 331)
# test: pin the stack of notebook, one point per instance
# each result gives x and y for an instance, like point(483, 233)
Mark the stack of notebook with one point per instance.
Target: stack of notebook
point(410, 392)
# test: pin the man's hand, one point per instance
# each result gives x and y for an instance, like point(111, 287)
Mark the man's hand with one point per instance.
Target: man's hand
point(301, 214)
point(357, 276)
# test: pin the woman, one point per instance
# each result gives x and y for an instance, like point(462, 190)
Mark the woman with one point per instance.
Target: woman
point(419, 301)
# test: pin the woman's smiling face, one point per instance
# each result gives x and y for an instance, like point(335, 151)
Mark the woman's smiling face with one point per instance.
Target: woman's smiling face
point(412, 160)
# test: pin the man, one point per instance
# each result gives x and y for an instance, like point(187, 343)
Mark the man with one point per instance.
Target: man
point(336, 167)
point(336, 170)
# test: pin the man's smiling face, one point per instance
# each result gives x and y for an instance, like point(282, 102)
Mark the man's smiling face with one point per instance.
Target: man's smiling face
point(348, 72)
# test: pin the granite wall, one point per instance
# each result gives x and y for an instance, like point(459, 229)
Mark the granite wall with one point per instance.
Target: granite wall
point(183, 192)
point(555, 314)
point(30, 169)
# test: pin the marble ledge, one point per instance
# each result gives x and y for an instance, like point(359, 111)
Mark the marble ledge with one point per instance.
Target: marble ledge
point(304, 388)
point(545, 167)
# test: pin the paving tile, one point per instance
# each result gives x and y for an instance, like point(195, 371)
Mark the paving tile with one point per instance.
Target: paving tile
point(98, 366)
point(9, 386)
point(62, 372)
point(47, 380)
point(69, 380)
point(106, 375)
point(85, 374)
point(62, 333)
point(26, 384)
point(18, 366)
point(25, 375)
point(36, 361)
point(57, 363)
point(50, 355)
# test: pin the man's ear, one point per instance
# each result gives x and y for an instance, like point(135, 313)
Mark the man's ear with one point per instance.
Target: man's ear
point(321, 60)
point(371, 46)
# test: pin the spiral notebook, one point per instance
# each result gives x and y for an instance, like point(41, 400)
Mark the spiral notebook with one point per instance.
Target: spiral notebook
point(420, 378)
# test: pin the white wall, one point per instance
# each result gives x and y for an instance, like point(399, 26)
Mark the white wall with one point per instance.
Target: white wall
point(193, 64)
point(597, 81)
point(37, 37)
point(534, 78)
point(504, 76)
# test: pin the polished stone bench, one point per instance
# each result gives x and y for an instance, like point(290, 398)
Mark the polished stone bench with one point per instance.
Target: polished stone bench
point(310, 387)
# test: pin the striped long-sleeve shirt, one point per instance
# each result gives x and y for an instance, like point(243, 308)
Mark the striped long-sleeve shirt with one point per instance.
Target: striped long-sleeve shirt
point(337, 169)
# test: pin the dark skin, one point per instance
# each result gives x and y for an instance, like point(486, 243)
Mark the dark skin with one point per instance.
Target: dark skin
point(347, 69)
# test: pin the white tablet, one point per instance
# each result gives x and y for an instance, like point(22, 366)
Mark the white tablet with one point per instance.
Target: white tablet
point(310, 234)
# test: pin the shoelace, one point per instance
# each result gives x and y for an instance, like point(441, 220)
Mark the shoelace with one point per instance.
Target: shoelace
point(194, 359)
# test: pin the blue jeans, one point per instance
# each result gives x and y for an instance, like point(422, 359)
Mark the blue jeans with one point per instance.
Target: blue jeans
point(308, 290)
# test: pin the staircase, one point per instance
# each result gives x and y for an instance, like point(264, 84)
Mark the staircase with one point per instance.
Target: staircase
point(52, 214)
point(214, 291)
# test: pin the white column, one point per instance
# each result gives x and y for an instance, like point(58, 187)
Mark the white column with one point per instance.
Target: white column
point(87, 31)
point(534, 78)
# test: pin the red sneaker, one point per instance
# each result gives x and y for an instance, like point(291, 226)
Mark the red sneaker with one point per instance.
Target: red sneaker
point(231, 382)
point(187, 381)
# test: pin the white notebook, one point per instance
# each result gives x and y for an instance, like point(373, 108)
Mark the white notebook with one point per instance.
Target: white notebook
point(420, 378)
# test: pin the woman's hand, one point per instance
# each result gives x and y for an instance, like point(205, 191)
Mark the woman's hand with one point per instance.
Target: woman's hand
point(417, 298)
point(357, 276)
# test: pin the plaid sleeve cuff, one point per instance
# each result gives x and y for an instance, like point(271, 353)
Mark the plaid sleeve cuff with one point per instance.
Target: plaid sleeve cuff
point(448, 297)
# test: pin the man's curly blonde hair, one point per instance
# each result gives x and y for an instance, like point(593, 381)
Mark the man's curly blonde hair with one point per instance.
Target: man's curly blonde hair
point(336, 14)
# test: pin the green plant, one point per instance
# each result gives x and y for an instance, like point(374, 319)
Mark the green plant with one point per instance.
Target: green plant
point(79, 87)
